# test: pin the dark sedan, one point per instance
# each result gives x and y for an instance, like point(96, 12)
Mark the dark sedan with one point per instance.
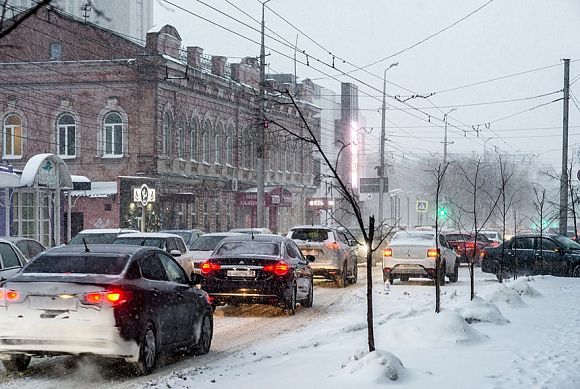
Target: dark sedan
point(533, 254)
point(264, 269)
point(115, 301)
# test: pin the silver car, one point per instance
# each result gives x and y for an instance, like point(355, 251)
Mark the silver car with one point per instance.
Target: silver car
point(334, 253)
point(11, 259)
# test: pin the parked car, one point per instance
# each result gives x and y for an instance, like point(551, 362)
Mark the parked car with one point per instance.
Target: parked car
point(413, 254)
point(99, 235)
point(117, 301)
point(29, 247)
point(264, 269)
point(189, 236)
point(250, 231)
point(204, 246)
point(172, 244)
point(11, 259)
point(334, 252)
point(494, 236)
point(466, 247)
point(533, 254)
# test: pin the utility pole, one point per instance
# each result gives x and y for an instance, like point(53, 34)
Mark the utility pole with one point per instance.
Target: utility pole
point(382, 147)
point(564, 178)
point(445, 143)
point(260, 154)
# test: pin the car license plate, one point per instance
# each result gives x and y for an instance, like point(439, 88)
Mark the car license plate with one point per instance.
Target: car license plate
point(241, 273)
point(406, 266)
point(53, 303)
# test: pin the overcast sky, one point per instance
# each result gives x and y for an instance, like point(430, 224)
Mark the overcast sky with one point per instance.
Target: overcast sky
point(502, 38)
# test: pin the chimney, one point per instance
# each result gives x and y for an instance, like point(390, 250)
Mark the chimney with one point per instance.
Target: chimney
point(218, 65)
point(194, 54)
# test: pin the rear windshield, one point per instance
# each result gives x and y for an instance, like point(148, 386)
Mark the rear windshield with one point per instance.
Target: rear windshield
point(310, 234)
point(107, 265)
point(248, 248)
point(456, 237)
point(186, 235)
point(137, 241)
point(206, 243)
point(98, 238)
point(406, 236)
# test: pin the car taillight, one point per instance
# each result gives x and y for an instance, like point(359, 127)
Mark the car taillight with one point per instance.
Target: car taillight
point(388, 252)
point(432, 253)
point(111, 297)
point(279, 268)
point(9, 295)
point(332, 245)
point(208, 266)
point(469, 245)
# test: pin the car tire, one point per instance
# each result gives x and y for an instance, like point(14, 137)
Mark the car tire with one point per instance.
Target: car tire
point(341, 279)
point(354, 277)
point(16, 363)
point(391, 279)
point(203, 344)
point(291, 303)
point(455, 275)
point(404, 278)
point(309, 300)
point(576, 272)
point(148, 352)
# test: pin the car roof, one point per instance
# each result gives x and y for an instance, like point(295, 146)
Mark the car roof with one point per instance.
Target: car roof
point(314, 227)
point(256, 238)
point(149, 235)
point(106, 231)
point(224, 234)
point(119, 249)
point(181, 230)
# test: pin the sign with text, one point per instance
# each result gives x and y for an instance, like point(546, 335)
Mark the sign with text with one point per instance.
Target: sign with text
point(144, 195)
point(373, 185)
point(319, 203)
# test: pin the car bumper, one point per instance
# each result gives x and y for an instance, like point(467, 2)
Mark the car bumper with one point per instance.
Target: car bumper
point(246, 292)
point(417, 268)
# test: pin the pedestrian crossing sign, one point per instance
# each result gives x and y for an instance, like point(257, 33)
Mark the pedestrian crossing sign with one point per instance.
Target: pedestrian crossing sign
point(422, 206)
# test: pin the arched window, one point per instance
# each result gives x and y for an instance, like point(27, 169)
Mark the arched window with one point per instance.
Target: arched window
point(66, 135)
point(247, 149)
point(166, 135)
point(218, 145)
point(113, 135)
point(12, 136)
point(193, 137)
point(180, 142)
point(230, 147)
point(205, 142)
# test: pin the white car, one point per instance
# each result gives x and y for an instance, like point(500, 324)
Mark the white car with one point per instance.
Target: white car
point(172, 244)
point(413, 254)
point(202, 248)
point(11, 259)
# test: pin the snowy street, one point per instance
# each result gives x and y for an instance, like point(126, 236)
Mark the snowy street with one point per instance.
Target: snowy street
point(533, 343)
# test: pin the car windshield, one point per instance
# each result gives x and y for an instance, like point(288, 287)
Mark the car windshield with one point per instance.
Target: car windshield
point(456, 237)
point(140, 241)
point(206, 243)
point(96, 238)
point(248, 248)
point(491, 235)
point(77, 264)
point(310, 234)
point(407, 236)
point(186, 235)
point(568, 243)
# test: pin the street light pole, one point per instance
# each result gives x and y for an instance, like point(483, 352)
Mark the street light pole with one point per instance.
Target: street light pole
point(445, 143)
point(382, 147)
point(260, 151)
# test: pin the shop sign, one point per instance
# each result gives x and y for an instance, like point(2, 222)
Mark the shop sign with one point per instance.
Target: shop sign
point(46, 175)
point(319, 203)
point(144, 195)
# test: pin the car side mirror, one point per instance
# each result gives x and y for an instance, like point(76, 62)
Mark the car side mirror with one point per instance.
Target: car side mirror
point(352, 242)
point(2, 279)
point(310, 258)
point(175, 253)
point(195, 279)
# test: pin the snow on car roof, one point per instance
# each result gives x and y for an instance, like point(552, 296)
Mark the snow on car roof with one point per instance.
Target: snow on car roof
point(149, 235)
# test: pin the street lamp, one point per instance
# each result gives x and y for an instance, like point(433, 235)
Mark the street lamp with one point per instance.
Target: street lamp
point(445, 143)
point(382, 145)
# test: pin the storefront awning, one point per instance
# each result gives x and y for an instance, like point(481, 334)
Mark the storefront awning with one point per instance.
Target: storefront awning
point(98, 189)
point(274, 196)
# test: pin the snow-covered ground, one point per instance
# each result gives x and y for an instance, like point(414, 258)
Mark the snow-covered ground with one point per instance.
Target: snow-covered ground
point(521, 334)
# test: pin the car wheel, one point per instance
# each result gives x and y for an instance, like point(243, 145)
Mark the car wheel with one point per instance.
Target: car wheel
point(391, 279)
point(147, 351)
point(441, 274)
point(354, 277)
point(307, 303)
point(576, 272)
point(16, 363)
point(455, 276)
point(404, 278)
point(341, 279)
point(291, 303)
point(205, 336)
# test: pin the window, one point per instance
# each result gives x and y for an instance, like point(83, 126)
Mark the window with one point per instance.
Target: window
point(166, 135)
point(174, 272)
point(113, 135)
point(218, 216)
point(151, 268)
point(205, 142)
point(34, 248)
point(55, 51)
point(218, 144)
point(8, 256)
point(291, 251)
point(547, 244)
point(12, 136)
point(193, 144)
point(66, 135)
point(180, 143)
point(230, 147)
point(524, 243)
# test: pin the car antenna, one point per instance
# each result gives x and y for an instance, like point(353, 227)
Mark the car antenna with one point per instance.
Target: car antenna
point(252, 233)
point(86, 247)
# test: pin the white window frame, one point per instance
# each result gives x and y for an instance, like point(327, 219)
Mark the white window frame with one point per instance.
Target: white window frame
point(113, 128)
point(66, 127)
point(10, 128)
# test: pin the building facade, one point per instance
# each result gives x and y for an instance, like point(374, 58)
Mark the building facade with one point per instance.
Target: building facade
point(125, 114)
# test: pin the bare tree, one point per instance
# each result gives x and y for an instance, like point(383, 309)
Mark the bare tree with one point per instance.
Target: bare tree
point(439, 175)
point(10, 19)
point(541, 205)
point(506, 203)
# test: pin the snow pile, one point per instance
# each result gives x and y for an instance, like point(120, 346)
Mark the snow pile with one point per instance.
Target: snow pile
point(431, 328)
point(479, 310)
point(501, 294)
point(522, 287)
point(377, 366)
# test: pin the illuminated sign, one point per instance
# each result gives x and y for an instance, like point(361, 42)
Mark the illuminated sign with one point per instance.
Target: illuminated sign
point(319, 203)
point(144, 195)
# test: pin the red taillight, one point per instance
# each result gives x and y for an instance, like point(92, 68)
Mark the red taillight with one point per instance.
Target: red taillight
point(432, 253)
point(94, 298)
point(208, 266)
point(279, 268)
point(388, 252)
point(111, 297)
point(332, 245)
point(469, 245)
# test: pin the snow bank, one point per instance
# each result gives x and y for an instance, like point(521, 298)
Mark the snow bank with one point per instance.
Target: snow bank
point(431, 328)
point(501, 294)
point(377, 366)
point(479, 310)
point(522, 287)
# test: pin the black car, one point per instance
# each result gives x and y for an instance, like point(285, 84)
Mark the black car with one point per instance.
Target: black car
point(116, 301)
point(533, 254)
point(263, 269)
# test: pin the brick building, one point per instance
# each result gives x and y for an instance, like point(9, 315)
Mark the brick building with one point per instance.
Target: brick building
point(124, 115)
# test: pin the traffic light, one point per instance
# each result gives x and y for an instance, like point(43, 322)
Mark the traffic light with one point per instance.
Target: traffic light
point(442, 211)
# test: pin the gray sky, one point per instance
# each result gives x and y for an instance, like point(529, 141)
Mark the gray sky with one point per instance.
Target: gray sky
point(503, 38)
